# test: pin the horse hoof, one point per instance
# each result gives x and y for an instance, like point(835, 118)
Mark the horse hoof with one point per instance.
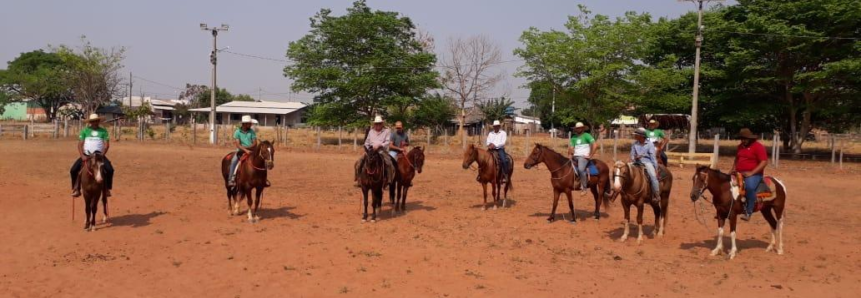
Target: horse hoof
point(770, 248)
point(93, 228)
point(639, 241)
point(716, 252)
point(373, 221)
point(105, 220)
point(551, 219)
point(623, 239)
point(732, 254)
point(780, 252)
point(573, 222)
point(484, 208)
point(364, 220)
point(494, 207)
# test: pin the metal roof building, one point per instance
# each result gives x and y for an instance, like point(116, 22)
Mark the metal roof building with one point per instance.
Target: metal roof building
point(267, 113)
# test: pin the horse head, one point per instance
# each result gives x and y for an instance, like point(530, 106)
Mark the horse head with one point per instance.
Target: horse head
point(469, 156)
point(700, 182)
point(536, 157)
point(95, 164)
point(266, 151)
point(418, 161)
point(621, 170)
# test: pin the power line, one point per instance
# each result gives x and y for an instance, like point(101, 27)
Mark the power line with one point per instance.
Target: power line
point(157, 83)
point(375, 67)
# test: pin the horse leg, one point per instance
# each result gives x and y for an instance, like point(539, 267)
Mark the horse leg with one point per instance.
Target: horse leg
point(552, 217)
point(87, 211)
point(719, 246)
point(571, 206)
point(250, 205)
point(640, 223)
point(627, 208)
point(404, 198)
point(484, 206)
point(766, 212)
point(105, 208)
point(94, 210)
point(229, 203)
point(665, 203)
point(657, 210)
point(259, 195)
point(393, 194)
point(365, 202)
point(734, 250)
point(497, 192)
point(597, 190)
point(378, 202)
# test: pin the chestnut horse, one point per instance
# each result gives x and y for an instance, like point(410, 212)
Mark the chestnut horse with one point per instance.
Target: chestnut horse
point(631, 182)
point(408, 164)
point(250, 174)
point(564, 178)
point(487, 173)
point(727, 207)
point(372, 177)
point(93, 188)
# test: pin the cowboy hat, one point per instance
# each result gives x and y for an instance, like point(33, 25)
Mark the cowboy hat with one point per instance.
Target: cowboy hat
point(745, 133)
point(496, 123)
point(254, 121)
point(653, 121)
point(94, 117)
point(378, 119)
point(579, 125)
point(246, 119)
point(640, 131)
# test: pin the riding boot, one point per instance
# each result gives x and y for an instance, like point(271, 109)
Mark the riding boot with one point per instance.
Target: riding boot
point(107, 192)
point(76, 191)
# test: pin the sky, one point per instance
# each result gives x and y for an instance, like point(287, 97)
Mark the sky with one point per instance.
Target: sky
point(165, 47)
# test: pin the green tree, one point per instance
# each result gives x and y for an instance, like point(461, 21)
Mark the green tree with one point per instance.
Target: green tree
point(495, 108)
point(434, 110)
point(243, 97)
point(93, 73)
point(363, 63)
point(204, 98)
point(40, 77)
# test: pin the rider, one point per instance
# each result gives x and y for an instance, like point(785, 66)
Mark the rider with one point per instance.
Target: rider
point(400, 141)
point(643, 152)
point(93, 138)
point(496, 141)
point(378, 140)
point(659, 138)
point(750, 161)
point(244, 138)
point(582, 149)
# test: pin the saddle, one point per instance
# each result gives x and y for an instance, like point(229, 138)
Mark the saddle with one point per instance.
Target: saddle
point(497, 160)
point(663, 173)
point(591, 169)
point(764, 191)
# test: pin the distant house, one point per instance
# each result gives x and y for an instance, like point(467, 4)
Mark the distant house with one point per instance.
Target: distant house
point(267, 113)
point(162, 109)
point(524, 123)
point(24, 111)
point(111, 112)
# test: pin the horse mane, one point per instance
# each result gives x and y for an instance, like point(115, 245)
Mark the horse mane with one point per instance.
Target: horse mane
point(717, 173)
point(555, 155)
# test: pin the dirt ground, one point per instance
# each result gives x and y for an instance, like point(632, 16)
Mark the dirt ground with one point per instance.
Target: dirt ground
point(170, 235)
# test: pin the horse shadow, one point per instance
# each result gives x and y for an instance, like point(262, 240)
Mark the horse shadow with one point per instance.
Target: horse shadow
point(283, 211)
point(617, 232)
point(419, 205)
point(581, 214)
point(711, 243)
point(134, 220)
point(508, 204)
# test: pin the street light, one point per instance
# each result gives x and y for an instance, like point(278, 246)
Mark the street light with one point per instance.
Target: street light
point(213, 58)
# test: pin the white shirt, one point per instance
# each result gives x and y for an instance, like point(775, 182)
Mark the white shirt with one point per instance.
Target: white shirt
point(497, 138)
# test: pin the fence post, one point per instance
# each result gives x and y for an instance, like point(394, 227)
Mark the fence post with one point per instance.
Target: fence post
point(318, 139)
point(430, 134)
point(715, 152)
point(340, 135)
point(56, 132)
point(833, 148)
point(355, 139)
point(526, 144)
point(166, 131)
point(841, 153)
point(777, 156)
point(1, 129)
point(26, 131)
point(615, 143)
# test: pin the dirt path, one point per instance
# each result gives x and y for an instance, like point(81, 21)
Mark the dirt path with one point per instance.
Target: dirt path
point(170, 235)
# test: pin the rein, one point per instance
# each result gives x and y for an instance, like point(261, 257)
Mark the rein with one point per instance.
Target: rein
point(371, 172)
point(630, 171)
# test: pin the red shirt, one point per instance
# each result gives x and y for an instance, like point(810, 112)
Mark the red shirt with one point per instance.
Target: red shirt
point(750, 157)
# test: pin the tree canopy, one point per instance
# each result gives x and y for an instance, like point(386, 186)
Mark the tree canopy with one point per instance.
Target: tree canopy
point(38, 76)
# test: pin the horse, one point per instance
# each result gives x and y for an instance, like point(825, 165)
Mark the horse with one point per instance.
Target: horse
point(631, 182)
point(564, 178)
point(250, 174)
point(407, 165)
point(728, 207)
point(372, 177)
point(487, 173)
point(93, 188)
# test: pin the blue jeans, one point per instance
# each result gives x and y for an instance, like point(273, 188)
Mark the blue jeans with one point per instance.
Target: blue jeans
point(233, 163)
point(582, 162)
point(750, 185)
point(503, 159)
point(653, 178)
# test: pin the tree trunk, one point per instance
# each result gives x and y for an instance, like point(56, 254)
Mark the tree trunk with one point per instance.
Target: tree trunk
point(793, 117)
point(460, 131)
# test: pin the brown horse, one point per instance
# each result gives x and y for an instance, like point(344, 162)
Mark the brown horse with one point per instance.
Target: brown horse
point(727, 207)
point(407, 164)
point(487, 173)
point(631, 182)
point(372, 177)
point(564, 178)
point(93, 188)
point(250, 174)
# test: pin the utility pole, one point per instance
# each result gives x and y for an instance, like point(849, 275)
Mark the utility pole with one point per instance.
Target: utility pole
point(130, 89)
point(213, 58)
point(692, 136)
point(553, 115)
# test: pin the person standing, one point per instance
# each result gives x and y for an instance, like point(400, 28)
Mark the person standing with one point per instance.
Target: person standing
point(92, 139)
point(750, 161)
point(582, 150)
point(496, 142)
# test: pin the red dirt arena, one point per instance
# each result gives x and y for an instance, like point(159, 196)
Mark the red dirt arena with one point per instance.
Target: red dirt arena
point(170, 234)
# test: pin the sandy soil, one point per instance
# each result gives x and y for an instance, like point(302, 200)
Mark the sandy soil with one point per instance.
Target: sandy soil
point(170, 235)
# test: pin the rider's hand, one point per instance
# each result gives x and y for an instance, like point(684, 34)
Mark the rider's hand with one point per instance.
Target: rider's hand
point(491, 146)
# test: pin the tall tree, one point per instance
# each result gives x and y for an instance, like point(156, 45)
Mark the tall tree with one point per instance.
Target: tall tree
point(434, 110)
point(93, 73)
point(469, 73)
point(495, 108)
point(40, 77)
point(365, 62)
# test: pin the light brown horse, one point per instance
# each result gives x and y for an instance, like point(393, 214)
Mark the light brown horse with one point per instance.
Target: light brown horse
point(250, 174)
point(488, 173)
point(727, 207)
point(630, 181)
point(564, 179)
point(93, 188)
point(407, 166)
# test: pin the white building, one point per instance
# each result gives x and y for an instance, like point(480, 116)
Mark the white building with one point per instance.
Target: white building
point(267, 113)
point(524, 123)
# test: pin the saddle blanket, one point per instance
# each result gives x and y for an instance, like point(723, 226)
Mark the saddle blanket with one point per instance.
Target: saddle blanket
point(764, 191)
point(591, 169)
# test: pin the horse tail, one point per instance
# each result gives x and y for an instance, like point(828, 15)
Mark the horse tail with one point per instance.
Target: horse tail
point(605, 197)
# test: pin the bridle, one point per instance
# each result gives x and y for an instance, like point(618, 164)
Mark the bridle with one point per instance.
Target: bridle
point(701, 191)
point(265, 161)
point(630, 170)
point(564, 165)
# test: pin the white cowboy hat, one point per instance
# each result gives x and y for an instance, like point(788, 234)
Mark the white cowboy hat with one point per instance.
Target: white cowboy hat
point(579, 125)
point(254, 121)
point(378, 119)
point(496, 123)
point(247, 119)
point(94, 117)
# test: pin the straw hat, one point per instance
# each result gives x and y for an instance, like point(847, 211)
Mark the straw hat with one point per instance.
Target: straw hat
point(496, 123)
point(378, 119)
point(579, 125)
point(246, 119)
point(640, 131)
point(745, 133)
point(653, 121)
point(94, 117)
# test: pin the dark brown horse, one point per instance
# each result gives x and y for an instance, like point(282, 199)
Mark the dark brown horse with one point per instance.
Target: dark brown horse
point(372, 177)
point(250, 174)
point(408, 164)
point(564, 179)
point(488, 173)
point(631, 182)
point(727, 207)
point(93, 188)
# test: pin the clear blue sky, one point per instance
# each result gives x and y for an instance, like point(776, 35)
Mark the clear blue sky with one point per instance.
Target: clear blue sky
point(164, 42)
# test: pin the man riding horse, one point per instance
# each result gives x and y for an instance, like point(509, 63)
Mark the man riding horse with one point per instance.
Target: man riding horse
point(643, 152)
point(379, 140)
point(93, 138)
point(399, 143)
point(581, 150)
point(244, 138)
point(659, 138)
point(750, 161)
point(496, 144)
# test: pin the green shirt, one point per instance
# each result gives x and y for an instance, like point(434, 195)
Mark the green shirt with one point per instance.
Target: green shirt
point(582, 144)
point(94, 139)
point(246, 139)
point(655, 135)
